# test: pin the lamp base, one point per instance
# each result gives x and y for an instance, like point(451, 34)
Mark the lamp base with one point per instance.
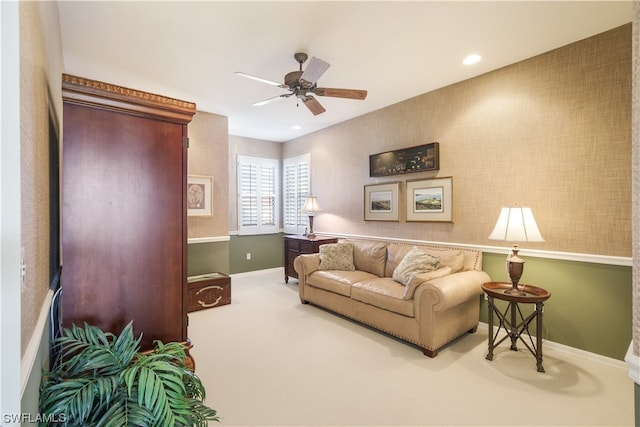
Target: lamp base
point(515, 266)
point(310, 234)
point(515, 291)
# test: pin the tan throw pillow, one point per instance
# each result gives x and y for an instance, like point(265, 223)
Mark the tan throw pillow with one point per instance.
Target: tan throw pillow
point(414, 262)
point(417, 279)
point(336, 256)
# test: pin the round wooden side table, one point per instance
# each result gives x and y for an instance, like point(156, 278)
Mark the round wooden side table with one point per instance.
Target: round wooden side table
point(508, 319)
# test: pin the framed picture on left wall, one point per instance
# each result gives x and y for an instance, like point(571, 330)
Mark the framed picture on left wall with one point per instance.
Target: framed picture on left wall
point(199, 195)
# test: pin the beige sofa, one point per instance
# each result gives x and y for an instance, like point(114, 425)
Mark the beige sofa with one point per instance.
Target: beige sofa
point(432, 309)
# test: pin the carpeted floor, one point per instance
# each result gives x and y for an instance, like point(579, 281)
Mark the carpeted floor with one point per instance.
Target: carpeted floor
point(267, 360)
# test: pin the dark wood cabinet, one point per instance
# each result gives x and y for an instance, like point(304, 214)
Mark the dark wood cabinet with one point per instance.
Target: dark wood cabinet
point(124, 216)
point(297, 245)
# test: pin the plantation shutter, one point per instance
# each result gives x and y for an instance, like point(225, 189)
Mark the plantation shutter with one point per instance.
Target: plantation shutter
point(257, 195)
point(297, 186)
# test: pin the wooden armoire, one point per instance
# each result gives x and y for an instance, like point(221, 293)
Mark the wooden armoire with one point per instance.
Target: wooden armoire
point(124, 209)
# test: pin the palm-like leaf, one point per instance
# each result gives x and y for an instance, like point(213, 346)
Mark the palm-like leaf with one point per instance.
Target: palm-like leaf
point(104, 380)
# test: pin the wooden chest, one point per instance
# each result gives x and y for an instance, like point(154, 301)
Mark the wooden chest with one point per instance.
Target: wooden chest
point(207, 291)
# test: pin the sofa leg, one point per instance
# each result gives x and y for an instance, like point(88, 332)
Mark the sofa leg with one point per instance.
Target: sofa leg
point(473, 330)
point(430, 353)
point(303, 301)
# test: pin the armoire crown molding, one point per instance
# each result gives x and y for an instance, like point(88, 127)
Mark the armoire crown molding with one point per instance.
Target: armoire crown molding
point(80, 90)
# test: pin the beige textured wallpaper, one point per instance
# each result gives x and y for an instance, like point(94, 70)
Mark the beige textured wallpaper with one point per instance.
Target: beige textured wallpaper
point(208, 153)
point(40, 71)
point(552, 132)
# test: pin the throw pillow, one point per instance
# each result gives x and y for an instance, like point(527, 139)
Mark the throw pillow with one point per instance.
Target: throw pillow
point(418, 279)
point(336, 256)
point(414, 262)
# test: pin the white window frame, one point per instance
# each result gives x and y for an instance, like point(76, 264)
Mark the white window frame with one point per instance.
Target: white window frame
point(261, 191)
point(295, 189)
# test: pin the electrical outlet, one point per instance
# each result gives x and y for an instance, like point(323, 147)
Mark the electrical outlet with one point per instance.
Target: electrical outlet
point(248, 256)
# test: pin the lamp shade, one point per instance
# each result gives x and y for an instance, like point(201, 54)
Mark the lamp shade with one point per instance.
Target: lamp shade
point(516, 225)
point(311, 205)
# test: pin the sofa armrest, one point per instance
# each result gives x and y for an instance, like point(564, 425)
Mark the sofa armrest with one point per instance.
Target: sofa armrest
point(306, 264)
point(453, 289)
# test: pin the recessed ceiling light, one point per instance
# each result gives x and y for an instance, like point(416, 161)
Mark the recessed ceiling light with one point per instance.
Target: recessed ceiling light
point(296, 127)
point(472, 59)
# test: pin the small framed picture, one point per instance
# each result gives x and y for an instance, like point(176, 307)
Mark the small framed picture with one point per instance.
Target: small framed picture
point(381, 202)
point(430, 200)
point(199, 195)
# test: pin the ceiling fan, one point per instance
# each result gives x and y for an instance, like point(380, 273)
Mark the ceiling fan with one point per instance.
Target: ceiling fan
point(303, 84)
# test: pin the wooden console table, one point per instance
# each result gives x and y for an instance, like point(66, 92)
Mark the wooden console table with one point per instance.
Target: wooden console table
point(298, 245)
point(509, 319)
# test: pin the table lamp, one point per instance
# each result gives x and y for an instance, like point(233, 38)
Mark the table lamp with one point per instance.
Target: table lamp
point(516, 224)
point(310, 207)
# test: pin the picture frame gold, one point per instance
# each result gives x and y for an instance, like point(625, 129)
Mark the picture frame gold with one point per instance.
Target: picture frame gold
point(430, 200)
point(382, 202)
point(199, 195)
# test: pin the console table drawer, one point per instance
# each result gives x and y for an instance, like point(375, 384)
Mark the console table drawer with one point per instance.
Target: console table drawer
point(207, 291)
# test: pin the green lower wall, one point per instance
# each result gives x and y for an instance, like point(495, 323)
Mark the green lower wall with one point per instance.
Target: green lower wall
point(208, 258)
point(590, 304)
point(266, 252)
point(589, 309)
point(230, 257)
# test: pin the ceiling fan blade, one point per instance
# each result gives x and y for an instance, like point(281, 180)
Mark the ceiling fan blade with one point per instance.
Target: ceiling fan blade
point(313, 105)
point(341, 93)
point(314, 70)
point(260, 79)
point(272, 99)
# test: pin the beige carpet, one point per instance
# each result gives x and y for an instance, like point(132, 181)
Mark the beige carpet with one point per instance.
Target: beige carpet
point(267, 360)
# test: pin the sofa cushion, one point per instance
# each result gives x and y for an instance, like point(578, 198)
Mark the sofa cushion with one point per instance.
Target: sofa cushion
point(416, 261)
point(410, 288)
point(337, 281)
point(369, 256)
point(336, 256)
point(383, 293)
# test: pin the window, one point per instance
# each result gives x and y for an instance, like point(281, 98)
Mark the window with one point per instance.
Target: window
point(258, 195)
point(296, 188)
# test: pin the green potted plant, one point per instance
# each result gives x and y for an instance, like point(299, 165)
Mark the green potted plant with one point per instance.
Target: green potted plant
point(104, 380)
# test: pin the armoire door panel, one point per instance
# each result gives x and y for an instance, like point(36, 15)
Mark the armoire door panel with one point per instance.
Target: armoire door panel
point(123, 222)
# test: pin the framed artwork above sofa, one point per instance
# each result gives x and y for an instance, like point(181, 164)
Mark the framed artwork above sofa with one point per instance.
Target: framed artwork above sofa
point(430, 200)
point(381, 202)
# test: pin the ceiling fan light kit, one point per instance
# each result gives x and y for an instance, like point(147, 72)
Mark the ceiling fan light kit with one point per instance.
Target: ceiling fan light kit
point(303, 84)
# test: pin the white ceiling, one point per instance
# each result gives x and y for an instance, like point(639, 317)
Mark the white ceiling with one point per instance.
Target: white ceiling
point(395, 50)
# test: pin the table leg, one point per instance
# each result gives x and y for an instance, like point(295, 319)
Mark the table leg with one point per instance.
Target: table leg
point(490, 315)
point(539, 310)
point(514, 331)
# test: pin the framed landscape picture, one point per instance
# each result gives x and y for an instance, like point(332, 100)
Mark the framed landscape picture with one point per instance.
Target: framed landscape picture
point(381, 202)
point(430, 200)
point(199, 195)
